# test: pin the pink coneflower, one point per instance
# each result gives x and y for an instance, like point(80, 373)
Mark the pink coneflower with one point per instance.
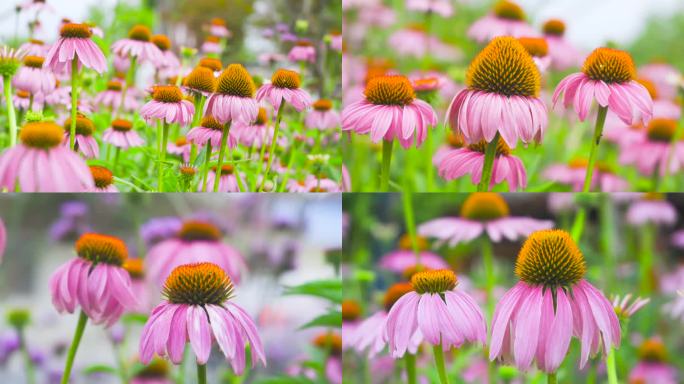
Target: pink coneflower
point(24, 100)
point(389, 111)
point(331, 344)
point(470, 160)
point(41, 164)
point(322, 116)
point(253, 134)
point(122, 135)
point(304, 51)
point(234, 97)
point(654, 149)
point(211, 45)
point(180, 147)
point(537, 318)
point(111, 97)
point(336, 41)
point(538, 48)
point(33, 77)
point(284, 87)
point(563, 54)
point(217, 27)
point(482, 213)
point(625, 308)
point(210, 132)
point(371, 334)
point(653, 366)
point(169, 60)
point(440, 7)
point(95, 280)
point(168, 105)
point(139, 46)
point(652, 208)
point(502, 97)
point(312, 183)
point(404, 258)
point(197, 241)
point(103, 179)
point(414, 41)
point(446, 317)
point(665, 77)
point(573, 174)
point(608, 76)
point(121, 64)
point(85, 142)
point(229, 180)
point(74, 45)
point(34, 47)
point(507, 19)
point(156, 372)
point(351, 314)
point(200, 82)
point(197, 308)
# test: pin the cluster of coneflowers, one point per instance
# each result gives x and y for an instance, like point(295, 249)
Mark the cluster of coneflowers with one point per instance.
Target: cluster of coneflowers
point(529, 326)
point(506, 97)
point(197, 124)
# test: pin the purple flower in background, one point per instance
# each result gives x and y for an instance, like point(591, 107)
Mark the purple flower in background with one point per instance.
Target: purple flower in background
point(72, 222)
point(9, 343)
point(158, 229)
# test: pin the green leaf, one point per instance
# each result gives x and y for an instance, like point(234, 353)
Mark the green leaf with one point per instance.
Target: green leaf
point(99, 368)
point(331, 319)
point(284, 380)
point(328, 289)
point(134, 318)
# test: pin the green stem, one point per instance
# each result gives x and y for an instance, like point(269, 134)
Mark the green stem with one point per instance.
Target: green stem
point(655, 179)
point(578, 224)
point(427, 156)
point(260, 168)
point(386, 162)
point(162, 155)
point(598, 131)
point(290, 161)
point(407, 199)
point(607, 230)
point(11, 113)
point(410, 368)
point(646, 260)
point(80, 327)
point(274, 141)
point(74, 101)
point(222, 150)
point(117, 154)
point(28, 364)
point(205, 169)
point(488, 167)
point(551, 378)
point(201, 374)
point(611, 367)
point(439, 362)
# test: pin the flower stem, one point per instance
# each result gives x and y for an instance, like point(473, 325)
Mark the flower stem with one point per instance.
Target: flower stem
point(578, 224)
point(262, 151)
point(646, 260)
point(201, 373)
point(439, 362)
point(488, 167)
point(290, 161)
point(11, 114)
point(222, 150)
point(598, 131)
point(205, 169)
point(429, 167)
point(82, 320)
point(28, 364)
point(74, 101)
point(410, 368)
point(611, 369)
point(386, 161)
point(162, 155)
point(117, 154)
point(274, 141)
point(407, 199)
point(551, 378)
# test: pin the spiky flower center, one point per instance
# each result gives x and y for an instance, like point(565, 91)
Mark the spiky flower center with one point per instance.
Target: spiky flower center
point(211, 123)
point(181, 141)
point(535, 46)
point(114, 85)
point(434, 281)
point(455, 140)
point(156, 369)
point(502, 149)
point(218, 21)
point(405, 242)
point(394, 293)
point(22, 94)
point(509, 10)
point(609, 65)
point(140, 33)
point(554, 27)
point(504, 67)
point(329, 341)
point(34, 61)
point(351, 310)
point(201, 79)
point(162, 42)
point(653, 350)
point(76, 31)
point(102, 176)
point(213, 39)
point(484, 206)
point(167, 94)
point(390, 90)
point(196, 230)
point(653, 196)
point(187, 170)
point(236, 81)
point(36, 42)
point(43, 135)
point(262, 117)
point(284, 78)
point(84, 126)
point(135, 267)
point(198, 284)
point(211, 63)
point(661, 129)
point(550, 258)
point(650, 87)
point(322, 105)
point(226, 169)
point(122, 125)
point(98, 248)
